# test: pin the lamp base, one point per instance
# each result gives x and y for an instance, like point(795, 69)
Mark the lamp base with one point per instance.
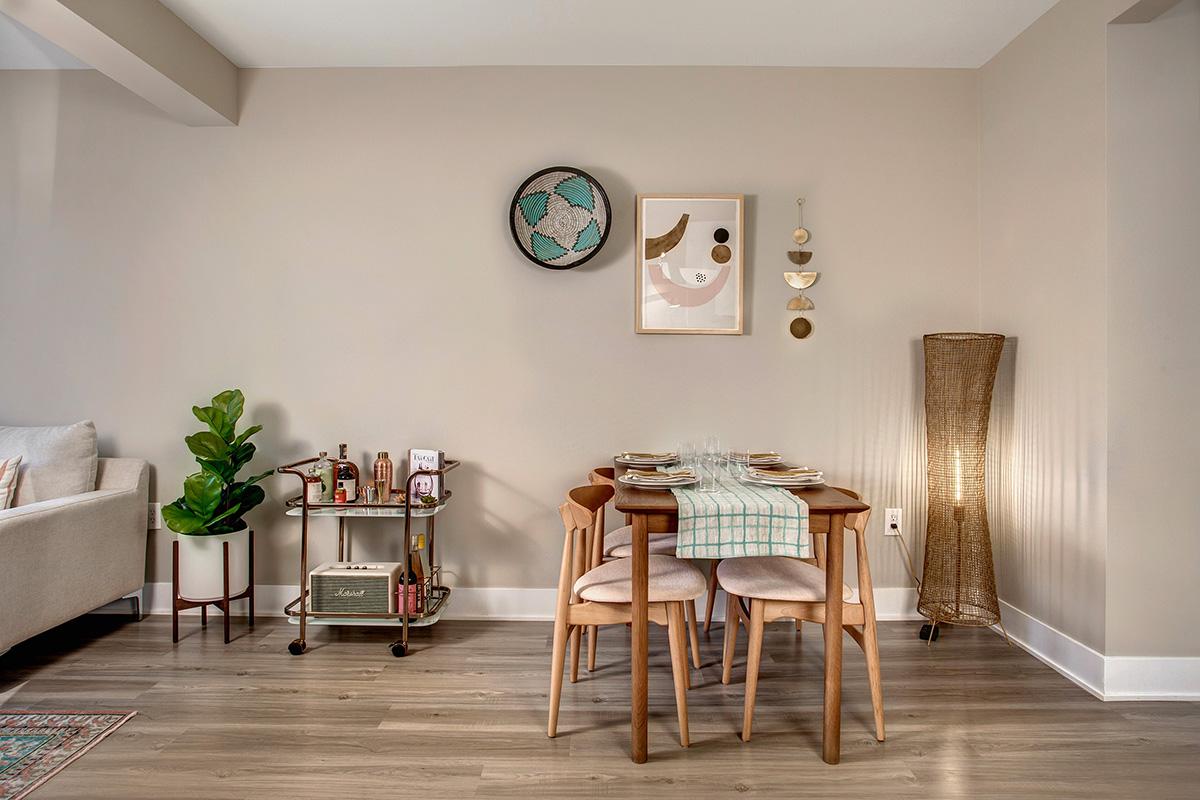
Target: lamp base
point(929, 632)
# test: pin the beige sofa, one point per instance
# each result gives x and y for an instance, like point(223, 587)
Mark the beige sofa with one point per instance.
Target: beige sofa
point(64, 557)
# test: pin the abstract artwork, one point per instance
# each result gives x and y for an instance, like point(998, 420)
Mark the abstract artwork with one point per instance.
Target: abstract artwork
point(559, 217)
point(689, 263)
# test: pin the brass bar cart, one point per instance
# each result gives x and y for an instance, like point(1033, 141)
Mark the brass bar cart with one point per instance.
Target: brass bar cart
point(435, 593)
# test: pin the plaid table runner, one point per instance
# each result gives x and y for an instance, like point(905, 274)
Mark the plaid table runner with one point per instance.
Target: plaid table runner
point(741, 520)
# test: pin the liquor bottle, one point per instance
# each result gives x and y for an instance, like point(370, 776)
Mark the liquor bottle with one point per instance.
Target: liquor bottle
point(346, 472)
point(324, 469)
point(416, 585)
point(383, 477)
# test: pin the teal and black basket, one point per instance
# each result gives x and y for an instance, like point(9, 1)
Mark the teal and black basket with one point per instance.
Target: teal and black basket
point(560, 217)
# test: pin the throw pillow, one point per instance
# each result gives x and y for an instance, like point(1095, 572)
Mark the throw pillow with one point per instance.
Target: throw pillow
point(8, 480)
point(55, 461)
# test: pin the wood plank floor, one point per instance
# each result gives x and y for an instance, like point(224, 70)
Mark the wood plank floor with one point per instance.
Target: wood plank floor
point(464, 716)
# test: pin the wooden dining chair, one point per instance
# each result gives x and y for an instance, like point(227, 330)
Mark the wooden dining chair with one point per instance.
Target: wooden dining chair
point(619, 544)
point(603, 595)
point(791, 588)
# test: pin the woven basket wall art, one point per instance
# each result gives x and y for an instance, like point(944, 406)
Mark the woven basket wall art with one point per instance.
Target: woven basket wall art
point(560, 217)
point(959, 582)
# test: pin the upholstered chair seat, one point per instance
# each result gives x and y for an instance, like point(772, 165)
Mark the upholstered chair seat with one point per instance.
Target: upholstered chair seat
point(619, 543)
point(612, 582)
point(777, 578)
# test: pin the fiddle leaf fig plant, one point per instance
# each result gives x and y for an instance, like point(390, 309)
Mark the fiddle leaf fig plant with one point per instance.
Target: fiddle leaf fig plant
point(214, 500)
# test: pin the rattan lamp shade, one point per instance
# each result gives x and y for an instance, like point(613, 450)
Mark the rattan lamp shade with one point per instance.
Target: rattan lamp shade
point(959, 583)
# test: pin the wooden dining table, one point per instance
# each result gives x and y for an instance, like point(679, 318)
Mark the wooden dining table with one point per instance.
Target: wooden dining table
point(657, 511)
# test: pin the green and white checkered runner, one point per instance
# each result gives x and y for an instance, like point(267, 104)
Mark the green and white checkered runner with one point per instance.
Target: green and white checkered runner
point(741, 520)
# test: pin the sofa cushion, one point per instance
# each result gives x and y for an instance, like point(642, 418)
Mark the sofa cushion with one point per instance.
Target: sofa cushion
point(55, 461)
point(8, 480)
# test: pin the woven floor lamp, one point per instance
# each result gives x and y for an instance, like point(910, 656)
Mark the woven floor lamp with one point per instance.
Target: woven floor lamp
point(959, 582)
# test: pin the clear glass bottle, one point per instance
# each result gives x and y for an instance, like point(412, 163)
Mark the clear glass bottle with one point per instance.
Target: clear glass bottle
point(383, 477)
point(346, 474)
point(324, 469)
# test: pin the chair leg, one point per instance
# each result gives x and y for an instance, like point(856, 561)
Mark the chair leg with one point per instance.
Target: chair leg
point(693, 633)
point(679, 670)
point(576, 636)
point(712, 596)
point(731, 632)
point(799, 627)
point(753, 659)
point(871, 651)
point(592, 632)
point(556, 674)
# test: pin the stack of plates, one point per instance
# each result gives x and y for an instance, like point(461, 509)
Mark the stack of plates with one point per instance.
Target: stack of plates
point(797, 476)
point(649, 479)
point(631, 459)
point(758, 459)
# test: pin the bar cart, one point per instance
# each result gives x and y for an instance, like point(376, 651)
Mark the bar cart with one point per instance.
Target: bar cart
point(434, 592)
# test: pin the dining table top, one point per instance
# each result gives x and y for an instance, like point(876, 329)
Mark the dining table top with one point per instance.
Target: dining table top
point(823, 499)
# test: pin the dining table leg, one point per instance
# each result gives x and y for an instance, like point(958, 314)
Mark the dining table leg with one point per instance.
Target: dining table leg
point(641, 635)
point(831, 745)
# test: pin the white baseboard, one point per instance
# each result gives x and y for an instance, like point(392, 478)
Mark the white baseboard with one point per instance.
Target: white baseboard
point(1109, 678)
point(1106, 677)
point(496, 603)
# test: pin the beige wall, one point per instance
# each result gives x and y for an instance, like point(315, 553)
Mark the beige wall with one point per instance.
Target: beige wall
point(1153, 333)
point(1044, 282)
point(148, 264)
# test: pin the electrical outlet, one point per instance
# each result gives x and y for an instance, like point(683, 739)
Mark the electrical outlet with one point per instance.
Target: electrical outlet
point(893, 517)
point(154, 520)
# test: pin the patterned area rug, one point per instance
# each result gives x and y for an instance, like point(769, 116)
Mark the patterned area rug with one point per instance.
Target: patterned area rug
point(35, 746)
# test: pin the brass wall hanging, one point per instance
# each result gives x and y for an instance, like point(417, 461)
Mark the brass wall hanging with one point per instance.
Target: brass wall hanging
point(801, 327)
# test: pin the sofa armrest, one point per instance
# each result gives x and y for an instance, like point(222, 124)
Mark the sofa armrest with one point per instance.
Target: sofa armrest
point(64, 557)
point(121, 473)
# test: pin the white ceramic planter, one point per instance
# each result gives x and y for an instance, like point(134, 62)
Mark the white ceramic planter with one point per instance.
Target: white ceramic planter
point(201, 565)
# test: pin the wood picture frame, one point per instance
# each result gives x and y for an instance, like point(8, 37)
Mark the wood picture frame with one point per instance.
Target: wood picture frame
point(689, 263)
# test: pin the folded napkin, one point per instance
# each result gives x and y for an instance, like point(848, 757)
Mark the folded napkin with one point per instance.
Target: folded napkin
point(653, 456)
point(797, 472)
point(661, 476)
point(761, 456)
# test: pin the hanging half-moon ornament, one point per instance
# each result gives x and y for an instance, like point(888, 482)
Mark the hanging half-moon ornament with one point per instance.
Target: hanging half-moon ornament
point(800, 303)
point(800, 280)
point(801, 328)
point(799, 257)
point(559, 217)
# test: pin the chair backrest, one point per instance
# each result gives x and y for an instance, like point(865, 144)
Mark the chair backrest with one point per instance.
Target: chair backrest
point(580, 514)
point(603, 475)
point(854, 522)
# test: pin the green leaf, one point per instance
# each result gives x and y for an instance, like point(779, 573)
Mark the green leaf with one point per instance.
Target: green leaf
point(247, 496)
point(181, 520)
point(229, 512)
point(202, 494)
point(222, 469)
point(260, 476)
point(207, 444)
point(246, 434)
point(231, 402)
point(242, 455)
point(216, 421)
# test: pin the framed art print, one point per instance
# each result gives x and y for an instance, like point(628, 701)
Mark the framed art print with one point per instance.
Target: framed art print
point(689, 263)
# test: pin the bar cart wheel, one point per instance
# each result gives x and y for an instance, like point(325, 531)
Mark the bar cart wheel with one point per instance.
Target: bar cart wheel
point(399, 649)
point(297, 647)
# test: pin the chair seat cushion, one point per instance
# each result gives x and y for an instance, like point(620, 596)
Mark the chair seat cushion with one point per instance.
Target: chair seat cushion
point(776, 578)
point(670, 579)
point(619, 543)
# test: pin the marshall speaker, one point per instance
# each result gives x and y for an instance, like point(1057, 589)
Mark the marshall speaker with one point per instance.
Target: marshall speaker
point(355, 588)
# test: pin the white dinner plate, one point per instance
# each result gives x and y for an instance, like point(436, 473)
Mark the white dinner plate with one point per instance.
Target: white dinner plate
point(646, 462)
point(790, 483)
point(678, 483)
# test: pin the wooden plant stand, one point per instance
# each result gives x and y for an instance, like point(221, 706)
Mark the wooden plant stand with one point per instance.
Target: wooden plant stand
point(181, 603)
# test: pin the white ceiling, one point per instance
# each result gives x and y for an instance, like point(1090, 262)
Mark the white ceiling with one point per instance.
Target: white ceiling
point(401, 33)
